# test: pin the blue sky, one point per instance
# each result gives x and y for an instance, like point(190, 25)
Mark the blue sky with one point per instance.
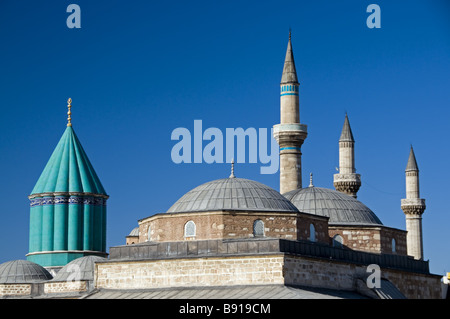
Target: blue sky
point(136, 70)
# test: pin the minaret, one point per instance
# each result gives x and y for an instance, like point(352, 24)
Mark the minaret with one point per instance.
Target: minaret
point(413, 207)
point(290, 134)
point(67, 206)
point(347, 181)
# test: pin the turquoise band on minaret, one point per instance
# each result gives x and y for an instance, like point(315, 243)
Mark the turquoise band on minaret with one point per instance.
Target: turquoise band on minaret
point(67, 206)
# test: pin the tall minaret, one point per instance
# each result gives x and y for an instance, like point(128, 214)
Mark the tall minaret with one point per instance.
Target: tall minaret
point(347, 181)
point(413, 207)
point(290, 134)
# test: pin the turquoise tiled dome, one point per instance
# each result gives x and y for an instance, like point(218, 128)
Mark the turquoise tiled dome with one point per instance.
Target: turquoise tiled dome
point(67, 207)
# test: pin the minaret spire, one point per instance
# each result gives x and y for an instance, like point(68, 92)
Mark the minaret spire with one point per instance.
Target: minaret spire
point(347, 181)
point(413, 206)
point(290, 134)
point(289, 72)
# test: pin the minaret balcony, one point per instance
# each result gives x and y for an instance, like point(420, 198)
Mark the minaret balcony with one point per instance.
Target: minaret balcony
point(290, 134)
point(413, 206)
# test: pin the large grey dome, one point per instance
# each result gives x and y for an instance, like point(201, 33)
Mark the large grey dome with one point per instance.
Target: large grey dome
point(232, 194)
point(342, 209)
point(79, 269)
point(22, 271)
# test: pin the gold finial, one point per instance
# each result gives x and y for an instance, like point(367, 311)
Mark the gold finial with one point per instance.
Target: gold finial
point(69, 113)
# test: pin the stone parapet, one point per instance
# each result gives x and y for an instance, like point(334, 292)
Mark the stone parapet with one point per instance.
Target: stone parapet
point(227, 248)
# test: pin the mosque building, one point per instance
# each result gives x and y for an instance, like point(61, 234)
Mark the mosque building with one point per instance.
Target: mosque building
point(227, 238)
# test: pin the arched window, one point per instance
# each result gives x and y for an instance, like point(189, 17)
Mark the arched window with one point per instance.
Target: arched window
point(149, 233)
point(393, 245)
point(189, 229)
point(258, 228)
point(312, 232)
point(338, 241)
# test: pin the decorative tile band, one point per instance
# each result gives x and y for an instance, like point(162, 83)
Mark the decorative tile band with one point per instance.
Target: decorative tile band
point(95, 201)
point(283, 94)
point(290, 148)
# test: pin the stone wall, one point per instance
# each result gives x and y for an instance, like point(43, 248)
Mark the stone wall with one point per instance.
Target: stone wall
point(254, 270)
point(190, 272)
point(15, 290)
point(340, 275)
point(64, 287)
point(231, 224)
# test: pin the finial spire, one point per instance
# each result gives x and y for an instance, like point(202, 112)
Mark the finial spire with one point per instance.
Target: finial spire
point(311, 180)
point(69, 113)
point(289, 34)
point(232, 169)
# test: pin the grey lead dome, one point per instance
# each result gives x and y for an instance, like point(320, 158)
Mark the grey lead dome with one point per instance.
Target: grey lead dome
point(79, 269)
point(22, 271)
point(232, 194)
point(340, 208)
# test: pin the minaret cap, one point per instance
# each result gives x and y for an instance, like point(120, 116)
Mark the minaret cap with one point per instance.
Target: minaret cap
point(289, 72)
point(412, 163)
point(346, 135)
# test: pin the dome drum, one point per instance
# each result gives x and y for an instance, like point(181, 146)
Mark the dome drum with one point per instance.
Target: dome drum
point(229, 224)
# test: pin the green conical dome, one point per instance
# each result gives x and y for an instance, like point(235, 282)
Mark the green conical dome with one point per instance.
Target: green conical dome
point(69, 169)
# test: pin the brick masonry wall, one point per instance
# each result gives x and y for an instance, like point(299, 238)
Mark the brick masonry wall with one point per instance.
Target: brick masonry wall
point(15, 289)
point(227, 225)
point(320, 226)
point(387, 234)
point(371, 239)
point(225, 271)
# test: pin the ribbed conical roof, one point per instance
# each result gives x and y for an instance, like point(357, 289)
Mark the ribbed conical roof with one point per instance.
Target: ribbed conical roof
point(289, 72)
point(69, 169)
point(346, 135)
point(412, 163)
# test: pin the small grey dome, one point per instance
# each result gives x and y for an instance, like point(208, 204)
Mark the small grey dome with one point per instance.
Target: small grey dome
point(232, 194)
point(339, 207)
point(22, 271)
point(79, 269)
point(134, 232)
